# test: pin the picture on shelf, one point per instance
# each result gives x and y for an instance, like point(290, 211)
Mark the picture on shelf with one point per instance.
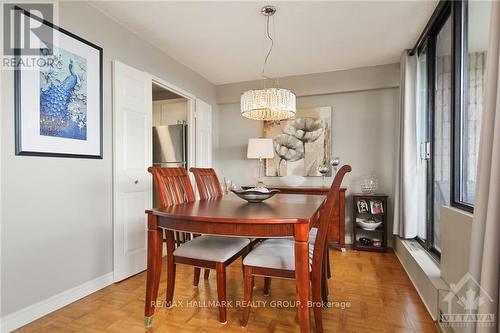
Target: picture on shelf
point(362, 206)
point(376, 207)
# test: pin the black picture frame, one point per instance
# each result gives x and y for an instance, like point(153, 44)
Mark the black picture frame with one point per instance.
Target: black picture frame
point(363, 206)
point(18, 98)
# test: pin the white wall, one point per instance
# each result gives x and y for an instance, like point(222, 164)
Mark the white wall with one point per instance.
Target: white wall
point(57, 212)
point(364, 107)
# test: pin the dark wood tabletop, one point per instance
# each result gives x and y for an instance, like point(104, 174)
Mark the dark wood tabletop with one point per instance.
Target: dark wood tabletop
point(336, 232)
point(281, 208)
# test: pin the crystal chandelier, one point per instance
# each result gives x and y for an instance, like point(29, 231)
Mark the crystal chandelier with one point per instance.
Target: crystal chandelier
point(268, 103)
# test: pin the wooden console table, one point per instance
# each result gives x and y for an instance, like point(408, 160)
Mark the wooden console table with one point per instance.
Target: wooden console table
point(336, 233)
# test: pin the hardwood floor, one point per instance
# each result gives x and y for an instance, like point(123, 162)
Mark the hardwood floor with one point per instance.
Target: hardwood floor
point(375, 285)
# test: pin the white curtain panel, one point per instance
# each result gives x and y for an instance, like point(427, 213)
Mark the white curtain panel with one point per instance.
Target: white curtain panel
point(485, 239)
point(407, 157)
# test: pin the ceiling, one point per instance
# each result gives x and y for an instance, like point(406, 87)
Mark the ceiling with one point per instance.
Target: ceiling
point(225, 41)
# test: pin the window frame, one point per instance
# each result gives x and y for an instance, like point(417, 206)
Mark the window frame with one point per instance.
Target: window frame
point(460, 92)
point(442, 13)
point(457, 12)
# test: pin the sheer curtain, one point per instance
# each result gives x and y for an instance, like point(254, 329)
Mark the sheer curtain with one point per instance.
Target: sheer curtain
point(485, 245)
point(407, 157)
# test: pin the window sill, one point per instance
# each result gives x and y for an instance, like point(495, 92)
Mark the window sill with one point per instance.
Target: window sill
point(423, 270)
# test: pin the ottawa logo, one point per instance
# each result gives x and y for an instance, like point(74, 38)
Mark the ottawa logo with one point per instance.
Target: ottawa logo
point(469, 295)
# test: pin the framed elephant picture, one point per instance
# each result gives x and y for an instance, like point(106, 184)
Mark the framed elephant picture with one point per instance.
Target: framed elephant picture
point(301, 144)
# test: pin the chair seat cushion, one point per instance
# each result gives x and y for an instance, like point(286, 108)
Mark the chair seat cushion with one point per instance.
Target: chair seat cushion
point(212, 248)
point(275, 253)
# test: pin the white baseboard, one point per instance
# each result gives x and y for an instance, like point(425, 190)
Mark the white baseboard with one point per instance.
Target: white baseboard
point(42, 308)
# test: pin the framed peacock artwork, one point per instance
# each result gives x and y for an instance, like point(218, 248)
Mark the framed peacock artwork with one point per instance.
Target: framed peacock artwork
point(58, 93)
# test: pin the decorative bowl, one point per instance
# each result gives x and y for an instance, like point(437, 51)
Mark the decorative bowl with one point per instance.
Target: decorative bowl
point(253, 195)
point(368, 224)
point(293, 180)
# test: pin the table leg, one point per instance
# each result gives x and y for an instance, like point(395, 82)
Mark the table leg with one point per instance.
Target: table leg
point(301, 235)
point(155, 244)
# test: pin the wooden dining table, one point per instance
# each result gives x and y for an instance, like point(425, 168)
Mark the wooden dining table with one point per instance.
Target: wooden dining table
point(283, 215)
point(336, 231)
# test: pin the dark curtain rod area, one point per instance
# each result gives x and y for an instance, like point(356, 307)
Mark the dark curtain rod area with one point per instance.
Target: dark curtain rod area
point(441, 9)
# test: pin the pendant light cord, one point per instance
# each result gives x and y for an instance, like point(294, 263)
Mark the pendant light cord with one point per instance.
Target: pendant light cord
point(270, 48)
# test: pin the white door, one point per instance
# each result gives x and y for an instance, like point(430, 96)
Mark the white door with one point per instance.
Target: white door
point(132, 108)
point(203, 148)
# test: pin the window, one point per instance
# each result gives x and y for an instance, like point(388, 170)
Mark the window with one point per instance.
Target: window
point(450, 86)
point(422, 136)
point(472, 62)
point(441, 139)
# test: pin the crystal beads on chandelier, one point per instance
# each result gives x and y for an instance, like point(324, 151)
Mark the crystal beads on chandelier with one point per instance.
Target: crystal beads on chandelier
point(268, 104)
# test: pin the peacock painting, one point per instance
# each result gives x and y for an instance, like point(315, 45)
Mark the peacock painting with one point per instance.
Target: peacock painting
point(63, 96)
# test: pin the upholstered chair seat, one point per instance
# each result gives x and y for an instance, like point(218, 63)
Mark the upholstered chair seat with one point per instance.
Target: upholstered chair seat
point(212, 248)
point(275, 253)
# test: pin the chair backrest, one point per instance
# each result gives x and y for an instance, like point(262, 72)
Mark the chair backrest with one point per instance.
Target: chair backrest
point(328, 211)
point(172, 185)
point(207, 182)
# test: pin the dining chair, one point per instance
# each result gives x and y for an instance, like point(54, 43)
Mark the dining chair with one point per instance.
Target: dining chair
point(207, 183)
point(275, 257)
point(209, 187)
point(206, 251)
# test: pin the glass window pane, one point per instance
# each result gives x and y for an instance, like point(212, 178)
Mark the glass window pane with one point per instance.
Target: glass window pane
point(422, 138)
point(442, 128)
point(474, 65)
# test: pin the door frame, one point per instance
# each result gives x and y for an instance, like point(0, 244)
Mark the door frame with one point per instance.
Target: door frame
point(191, 114)
point(191, 102)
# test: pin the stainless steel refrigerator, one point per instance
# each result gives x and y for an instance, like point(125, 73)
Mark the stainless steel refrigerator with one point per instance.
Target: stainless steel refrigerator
point(169, 149)
point(170, 146)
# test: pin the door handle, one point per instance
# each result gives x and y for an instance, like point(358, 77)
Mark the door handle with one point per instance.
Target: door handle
point(136, 182)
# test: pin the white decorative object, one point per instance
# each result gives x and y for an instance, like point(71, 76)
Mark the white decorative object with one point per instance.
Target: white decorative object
point(368, 224)
point(268, 103)
point(369, 184)
point(293, 180)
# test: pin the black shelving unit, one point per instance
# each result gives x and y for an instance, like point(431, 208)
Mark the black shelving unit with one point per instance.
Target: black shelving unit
point(374, 212)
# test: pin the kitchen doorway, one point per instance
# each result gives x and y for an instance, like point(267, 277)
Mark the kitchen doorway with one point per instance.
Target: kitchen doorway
point(170, 130)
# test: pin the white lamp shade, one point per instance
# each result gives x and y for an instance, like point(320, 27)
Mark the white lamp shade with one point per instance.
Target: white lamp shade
point(260, 148)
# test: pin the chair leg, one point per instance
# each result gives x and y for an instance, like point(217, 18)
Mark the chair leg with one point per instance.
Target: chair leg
point(267, 285)
point(206, 274)
point(170, 268)
point(247, 294)
point(221, 291)
point(196, 276)
point(317, 303)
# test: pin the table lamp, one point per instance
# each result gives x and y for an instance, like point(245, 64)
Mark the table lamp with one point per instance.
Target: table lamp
point(261, 149)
